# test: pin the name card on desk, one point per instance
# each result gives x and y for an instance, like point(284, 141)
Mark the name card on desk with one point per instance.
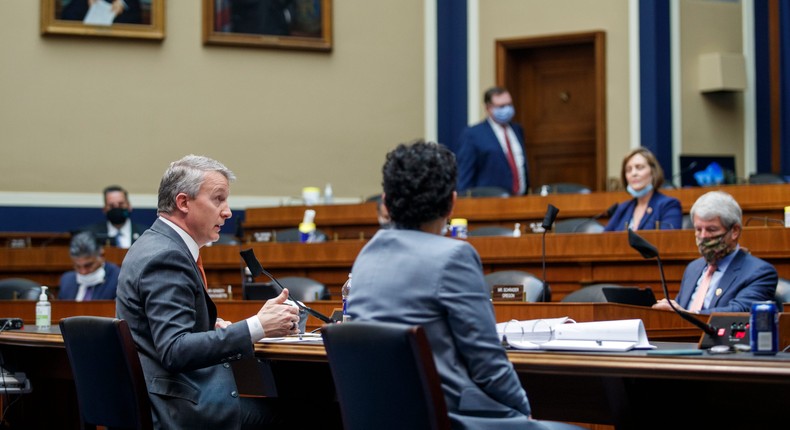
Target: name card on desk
point(508, 293)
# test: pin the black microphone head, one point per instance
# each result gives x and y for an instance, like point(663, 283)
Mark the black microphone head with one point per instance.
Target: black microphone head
point(640, 244)
point(551, 215)
point(252, 263)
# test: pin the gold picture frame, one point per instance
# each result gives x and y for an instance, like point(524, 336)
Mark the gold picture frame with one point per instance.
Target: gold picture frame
point(141, 19)
point(277, 24)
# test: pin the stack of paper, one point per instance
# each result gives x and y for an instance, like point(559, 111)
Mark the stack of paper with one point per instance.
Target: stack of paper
point(564, 334)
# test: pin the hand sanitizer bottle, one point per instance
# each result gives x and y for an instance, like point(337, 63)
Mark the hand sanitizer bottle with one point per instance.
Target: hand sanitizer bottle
point(43, 310)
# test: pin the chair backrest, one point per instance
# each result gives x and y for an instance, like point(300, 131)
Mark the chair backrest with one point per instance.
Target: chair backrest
point(590, 293)
point(485, 192)
point(385, 376)
point(566, 188)
point(19, 289)
point(111, 388)
point(578, 225)
point(533, 287)
point(491, 230)
point(782, 295)
point(293, 235)
point(766, 178)
point(686, 223)
point(301, 288)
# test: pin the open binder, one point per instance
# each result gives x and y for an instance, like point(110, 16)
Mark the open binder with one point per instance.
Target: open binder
point(566, 334)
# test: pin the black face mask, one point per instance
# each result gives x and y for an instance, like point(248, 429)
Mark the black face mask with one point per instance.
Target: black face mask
point(117, 215)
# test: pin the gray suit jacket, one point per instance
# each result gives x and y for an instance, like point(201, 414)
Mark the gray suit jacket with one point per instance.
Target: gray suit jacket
point(186, 361)
point(748, 279)
point(424, 279)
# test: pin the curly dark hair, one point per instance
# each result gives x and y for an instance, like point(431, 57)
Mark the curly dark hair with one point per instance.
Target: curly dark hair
point(419, 181)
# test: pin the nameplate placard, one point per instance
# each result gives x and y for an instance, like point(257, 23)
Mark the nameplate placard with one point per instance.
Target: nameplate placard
point(508, 293)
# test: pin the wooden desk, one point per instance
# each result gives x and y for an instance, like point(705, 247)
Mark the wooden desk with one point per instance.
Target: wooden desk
point(354, 221)
point(572, 260)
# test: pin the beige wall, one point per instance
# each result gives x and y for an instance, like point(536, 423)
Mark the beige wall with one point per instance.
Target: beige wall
point(79, 113)
point(711, 123)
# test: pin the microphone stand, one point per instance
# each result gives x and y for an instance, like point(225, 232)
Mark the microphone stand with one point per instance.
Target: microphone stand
point(649, 251)
point(548, 220)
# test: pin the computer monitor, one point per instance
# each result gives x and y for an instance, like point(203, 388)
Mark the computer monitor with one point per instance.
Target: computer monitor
point(692, 164)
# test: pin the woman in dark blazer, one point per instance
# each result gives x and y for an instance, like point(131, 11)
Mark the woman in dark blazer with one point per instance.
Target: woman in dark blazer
point(648, 209)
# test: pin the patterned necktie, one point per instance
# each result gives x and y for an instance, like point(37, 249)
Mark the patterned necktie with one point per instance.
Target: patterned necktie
point(512, 161)
point(202, 271)
point(702, 291)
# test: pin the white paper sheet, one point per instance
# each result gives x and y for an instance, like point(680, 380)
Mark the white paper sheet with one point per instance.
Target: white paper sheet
point(100, 13)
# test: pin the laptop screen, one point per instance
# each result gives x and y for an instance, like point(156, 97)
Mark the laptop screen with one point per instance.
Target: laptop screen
point(630, 296)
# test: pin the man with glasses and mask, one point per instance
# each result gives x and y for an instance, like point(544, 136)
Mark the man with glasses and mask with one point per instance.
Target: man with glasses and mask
point(726, 278)
point(92, 277)
point(491, 153)
point(118, 230)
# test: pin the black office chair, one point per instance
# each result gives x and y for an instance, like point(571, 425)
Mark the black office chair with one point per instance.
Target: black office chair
point(686, 223)
point(485, 192)
point(301, 288)
point(227, 239)
point(766, 178)
point(533, 286)
point(567, 188)
point(782, 295)
point(589, 294)
point(385, 376)
point(293, 235)
point(491, 231)
point(111, 389)
point(19, 289)
point(578, 225)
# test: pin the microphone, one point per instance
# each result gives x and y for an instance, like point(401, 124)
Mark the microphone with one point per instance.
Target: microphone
point(683, 171)
point(607, 213)
point(256, 269)
point(649, 251)
point(548, 221)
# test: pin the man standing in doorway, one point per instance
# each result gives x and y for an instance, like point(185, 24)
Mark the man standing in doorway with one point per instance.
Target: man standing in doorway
point(491, 153)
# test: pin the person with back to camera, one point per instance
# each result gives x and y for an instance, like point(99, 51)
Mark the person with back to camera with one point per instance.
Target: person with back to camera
point(649, 209)
point(491, 153)
point(184, 348)
point(735, 278)
point(92, 277)
point(118, 229)
point(411, 274)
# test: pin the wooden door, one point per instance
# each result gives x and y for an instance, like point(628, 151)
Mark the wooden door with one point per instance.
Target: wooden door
point(558, 89)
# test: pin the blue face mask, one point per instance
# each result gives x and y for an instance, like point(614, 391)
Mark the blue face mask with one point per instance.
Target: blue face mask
point(503, 114)
point(643, 192)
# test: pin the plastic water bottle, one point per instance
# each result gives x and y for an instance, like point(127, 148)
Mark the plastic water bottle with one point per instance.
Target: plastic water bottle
point(345, 292)
point(43, 310)
point(307, 227)
point(328, 197)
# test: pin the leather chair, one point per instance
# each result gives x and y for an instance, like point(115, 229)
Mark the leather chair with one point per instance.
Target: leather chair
point(385, 376)
point(782, 295)
point(589, 294)
point(491, 231)
point(578, 225)
point(485, 192)
point(111, 389)
point(533, 287)
point(293, 235)
point(766, 178)
point(566, 188)
point(19, 289)
point(301, 288)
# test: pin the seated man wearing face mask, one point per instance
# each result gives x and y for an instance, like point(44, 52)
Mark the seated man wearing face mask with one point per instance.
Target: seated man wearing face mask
point(92, 277)
point(118, 230)
point(726, 278)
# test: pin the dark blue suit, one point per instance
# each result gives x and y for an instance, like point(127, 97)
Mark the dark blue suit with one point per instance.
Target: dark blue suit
point(748, 279)
point(662, 211)
point(106, 291)
point(481, 160)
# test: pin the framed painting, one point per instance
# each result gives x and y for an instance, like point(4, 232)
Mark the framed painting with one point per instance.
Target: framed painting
point(136, 19)
point(279, 24)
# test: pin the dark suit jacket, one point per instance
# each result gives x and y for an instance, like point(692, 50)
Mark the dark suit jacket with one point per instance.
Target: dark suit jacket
point(68, 284)
point(99, 229)
point(186, 362)
point(661, 209)
point(481, 160)
point(748, 279)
